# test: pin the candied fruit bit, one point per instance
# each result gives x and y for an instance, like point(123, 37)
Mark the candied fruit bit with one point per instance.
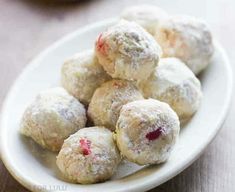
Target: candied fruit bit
point(101, 45)
point(154, 134)
point(85, 146)
point(118, 84)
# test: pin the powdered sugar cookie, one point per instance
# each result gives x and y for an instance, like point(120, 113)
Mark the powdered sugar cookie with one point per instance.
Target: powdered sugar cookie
point(52, 117)
point(82, 74)
point(174, 83)
point(147, 131)
point(187, 38)
point(127, 51)
point(108, 99)
point(89, 156)
point(148, 16)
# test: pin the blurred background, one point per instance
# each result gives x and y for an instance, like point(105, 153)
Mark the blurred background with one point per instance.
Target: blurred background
point(29, 26)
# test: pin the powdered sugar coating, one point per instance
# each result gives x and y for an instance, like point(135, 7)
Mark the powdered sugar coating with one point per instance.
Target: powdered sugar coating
point(174, 83)
point(127, 51)
point(108, 99)
point(148, 16)
point(139, 119)
point(52, 117)
point(99, 165)
point(187, 38)
point(82, 74)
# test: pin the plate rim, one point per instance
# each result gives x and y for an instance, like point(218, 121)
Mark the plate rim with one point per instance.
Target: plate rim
point(26, 182)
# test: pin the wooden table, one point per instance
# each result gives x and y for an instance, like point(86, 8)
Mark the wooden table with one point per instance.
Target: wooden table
point(29, 26)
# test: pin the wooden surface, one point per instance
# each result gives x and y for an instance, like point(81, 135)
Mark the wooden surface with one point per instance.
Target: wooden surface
point(29, 26)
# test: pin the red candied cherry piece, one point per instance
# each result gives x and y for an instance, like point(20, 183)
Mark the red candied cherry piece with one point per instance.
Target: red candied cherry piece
point(85, 146)
point(154, 134)
point(101, 45)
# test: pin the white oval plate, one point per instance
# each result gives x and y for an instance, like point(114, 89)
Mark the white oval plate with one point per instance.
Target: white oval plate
point(35, 168)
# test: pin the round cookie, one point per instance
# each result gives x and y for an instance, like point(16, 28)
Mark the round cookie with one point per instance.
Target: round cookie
point(127, 51)
point(174, 83)
point(147, 130)
point(148, 16)
point(108, 99)
point(89, 156)
point(82, 74)
point(52, 117)
point(186, 38)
